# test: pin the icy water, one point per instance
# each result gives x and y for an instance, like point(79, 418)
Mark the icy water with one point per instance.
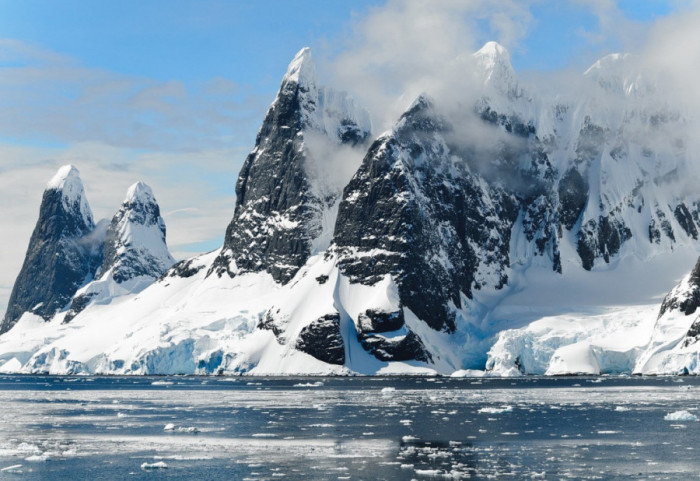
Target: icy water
point(73, 428)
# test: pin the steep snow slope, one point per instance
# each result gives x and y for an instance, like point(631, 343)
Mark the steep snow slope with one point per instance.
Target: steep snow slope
point(196, 324)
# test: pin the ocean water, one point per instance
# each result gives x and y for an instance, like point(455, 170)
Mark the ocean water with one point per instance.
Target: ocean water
point(195, 428)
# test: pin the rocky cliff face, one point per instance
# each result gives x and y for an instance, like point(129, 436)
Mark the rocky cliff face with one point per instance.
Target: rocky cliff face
point(63, 254)
point(685, 300)
point(281, 197)
point(415, 210)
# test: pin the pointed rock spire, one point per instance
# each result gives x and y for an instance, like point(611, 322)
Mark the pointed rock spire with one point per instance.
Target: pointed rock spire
point(135, 241)
point(277, 209)
point(63, 251)
point(302, 69)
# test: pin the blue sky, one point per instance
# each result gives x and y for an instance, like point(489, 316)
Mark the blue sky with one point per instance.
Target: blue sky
point(172, 92)
point(251, 42)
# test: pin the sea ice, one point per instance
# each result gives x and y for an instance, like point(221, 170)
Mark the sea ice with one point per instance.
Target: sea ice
point(680, 416)
point(501, 410)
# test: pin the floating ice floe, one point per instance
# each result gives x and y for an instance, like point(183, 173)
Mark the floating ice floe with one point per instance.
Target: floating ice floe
point(501, 410)
point(388, 391)
point(309, 384)
point(680, 416)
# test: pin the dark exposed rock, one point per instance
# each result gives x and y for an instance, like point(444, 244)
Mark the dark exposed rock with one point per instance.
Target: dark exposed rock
point(78, 304)
point(64, 252)
point(374, 320)
point(405, 348)
point(684, 297)
point(374, 324)
point(272, 321)
point(685, 220)
point(322, 340)
point(185, 269)
point(693, 334)
point(573, 195)
point(601, 239)
point(427, 220)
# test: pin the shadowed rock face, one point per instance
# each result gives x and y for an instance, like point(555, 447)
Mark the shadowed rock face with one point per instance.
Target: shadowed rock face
point(686, 298)
point(64, 251)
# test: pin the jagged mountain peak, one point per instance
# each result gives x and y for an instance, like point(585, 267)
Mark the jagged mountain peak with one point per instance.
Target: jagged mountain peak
point(135, 242)
point(63, 251)
point(493, 50)
point(134, 255)
point(67, 174)
point(287, 190)
point(302, 69)
point(139, 192)
point(607, 62)
point(493, 60)
point(67, 181)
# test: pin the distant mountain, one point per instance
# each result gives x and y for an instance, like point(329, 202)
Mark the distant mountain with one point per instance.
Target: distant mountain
point(511, 229)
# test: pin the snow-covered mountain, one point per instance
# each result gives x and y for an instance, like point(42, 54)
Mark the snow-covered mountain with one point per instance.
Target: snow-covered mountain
point(509, 229)
point(71, 261)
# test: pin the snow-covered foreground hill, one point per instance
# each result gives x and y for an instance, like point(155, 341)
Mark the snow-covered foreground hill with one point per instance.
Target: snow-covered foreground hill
point(505, 230)
point(208, 325)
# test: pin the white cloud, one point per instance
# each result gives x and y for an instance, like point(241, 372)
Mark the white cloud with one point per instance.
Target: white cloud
point(408, 47)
